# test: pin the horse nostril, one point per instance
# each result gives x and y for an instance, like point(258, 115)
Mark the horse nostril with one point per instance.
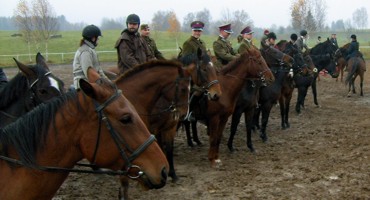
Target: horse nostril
point(164, 174)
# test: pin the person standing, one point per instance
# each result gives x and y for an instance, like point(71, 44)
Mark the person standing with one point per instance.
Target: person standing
point(145, 32)
point(222, 48)
point(85, 56)
point(192, 44)
point(132, 50)
point(247, 42)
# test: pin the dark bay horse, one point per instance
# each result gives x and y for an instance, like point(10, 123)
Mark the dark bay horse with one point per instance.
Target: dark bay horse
point(323, 57)
point(33, 85)
point(160, 92)
point(269, 95)
point(249, 66)
point(97, 123)
point(356, 67)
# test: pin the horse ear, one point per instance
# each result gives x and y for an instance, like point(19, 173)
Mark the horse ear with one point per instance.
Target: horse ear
point(87, 88)
point(40, 60)
point(92, 75)
point(25, 69)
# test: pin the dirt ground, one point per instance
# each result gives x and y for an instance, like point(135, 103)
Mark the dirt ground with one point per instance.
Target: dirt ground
point(324, 155)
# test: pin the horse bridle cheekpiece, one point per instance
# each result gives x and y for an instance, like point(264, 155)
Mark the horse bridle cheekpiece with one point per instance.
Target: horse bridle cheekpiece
point(117, 139)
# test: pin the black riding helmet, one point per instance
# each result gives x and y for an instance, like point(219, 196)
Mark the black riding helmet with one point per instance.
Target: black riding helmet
point(271, 35)
point(133, 19)
point(303, 32)
point(353, 36)
point(91, 31)
point(294, 37)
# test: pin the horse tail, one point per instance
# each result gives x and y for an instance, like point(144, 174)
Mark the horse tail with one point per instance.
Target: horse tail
point(355, 66)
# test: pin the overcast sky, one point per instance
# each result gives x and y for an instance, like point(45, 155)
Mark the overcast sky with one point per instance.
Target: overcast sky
point(264, 13)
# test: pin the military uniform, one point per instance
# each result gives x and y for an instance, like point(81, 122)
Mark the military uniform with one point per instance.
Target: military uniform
point(192, 44)
point(153, 47)
point(224, 52)
point(247, 43)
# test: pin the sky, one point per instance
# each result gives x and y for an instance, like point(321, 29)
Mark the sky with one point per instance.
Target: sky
point(264, 13)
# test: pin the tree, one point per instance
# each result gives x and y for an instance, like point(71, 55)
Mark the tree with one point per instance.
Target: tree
point(205, 17)
point(308, 14)
point(38, 22)
point(188, 19)
point(45, 21)
point(174, 27)
point(159, 19)
point(319, 8)
point(110, 24)
point(23, 20)
point(309, 22)
point(241, 19)
point(359, 18)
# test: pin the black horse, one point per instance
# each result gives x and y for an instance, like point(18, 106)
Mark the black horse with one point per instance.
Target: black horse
point(35, 84)
point(323, 57)
point(269, 95)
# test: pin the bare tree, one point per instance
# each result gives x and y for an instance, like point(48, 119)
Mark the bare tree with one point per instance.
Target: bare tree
point(308, 14)
point(298, 13)
point(240, 20)
point(45, 21)
point(319, 9)
point(190, 17)
point(23, 20)
point(359, 18)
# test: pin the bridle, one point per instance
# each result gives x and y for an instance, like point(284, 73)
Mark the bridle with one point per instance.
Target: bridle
point(119, 141)
point(205, 86)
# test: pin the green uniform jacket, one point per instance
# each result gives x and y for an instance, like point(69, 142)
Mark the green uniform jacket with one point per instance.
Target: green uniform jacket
point(224, 52)
point(191, 46)
point(153, 47)
point(245, 46)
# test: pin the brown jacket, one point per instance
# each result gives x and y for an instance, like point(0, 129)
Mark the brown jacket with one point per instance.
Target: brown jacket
point(131, 51)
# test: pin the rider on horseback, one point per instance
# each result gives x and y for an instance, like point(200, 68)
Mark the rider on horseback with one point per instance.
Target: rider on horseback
point(354, 49)
point(301, 41)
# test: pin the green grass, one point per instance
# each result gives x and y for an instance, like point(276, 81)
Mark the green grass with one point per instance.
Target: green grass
point(68, 44)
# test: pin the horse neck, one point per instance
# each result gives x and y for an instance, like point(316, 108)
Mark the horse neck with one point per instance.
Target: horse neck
point(144, 89)
point(13, 110)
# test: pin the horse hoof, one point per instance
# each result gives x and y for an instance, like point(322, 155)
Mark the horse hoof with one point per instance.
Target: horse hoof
point(216, 164)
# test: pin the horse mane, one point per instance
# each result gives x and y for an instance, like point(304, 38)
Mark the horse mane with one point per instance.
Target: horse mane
point(193, 58)
point(14, 89)
point(238, 61)
point(147, 65)
point(28, 134)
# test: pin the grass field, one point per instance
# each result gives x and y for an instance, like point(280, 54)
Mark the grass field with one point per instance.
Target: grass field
point(61, 50)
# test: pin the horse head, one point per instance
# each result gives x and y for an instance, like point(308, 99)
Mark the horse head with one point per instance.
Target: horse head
point(42, 84)
point(205, 77)
point(323, 55)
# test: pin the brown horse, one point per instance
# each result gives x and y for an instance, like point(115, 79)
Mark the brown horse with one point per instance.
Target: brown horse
point(97, 123)
point(356, 67)
point(249, 66)
point(160, 92)
point(341, 60)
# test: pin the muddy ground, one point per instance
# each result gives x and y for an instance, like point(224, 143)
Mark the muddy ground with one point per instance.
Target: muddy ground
point(324, 155)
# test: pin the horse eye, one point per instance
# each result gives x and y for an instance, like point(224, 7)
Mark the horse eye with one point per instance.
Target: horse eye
point(42, 91)
point(126, 119)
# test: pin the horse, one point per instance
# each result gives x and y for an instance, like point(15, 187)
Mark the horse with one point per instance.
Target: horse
point(249, 66)
point(160, 92)
point(33, 85)
point(269, 95)
point(356, 67)
point(97, 123)
point(340, 56)
point(323, 57)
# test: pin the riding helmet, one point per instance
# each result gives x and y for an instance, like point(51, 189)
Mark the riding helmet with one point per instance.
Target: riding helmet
point(91, 31)
point(353, 36)
point(271, 35)
point(133, 19)
point(294, 37)
point(303, 32)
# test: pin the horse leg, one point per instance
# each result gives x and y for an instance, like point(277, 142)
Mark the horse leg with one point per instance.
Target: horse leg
point(314, 91)
point(361, 84)
point(256, 118)
point(282, 111)
point(248, 117)
point(265, 117)
point(195, 133)
point(123, 190)
point(188, 133)
point(215, 128)
point(234, 126)
point(169, 154)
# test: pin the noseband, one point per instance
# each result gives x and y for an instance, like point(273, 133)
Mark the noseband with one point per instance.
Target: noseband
point(119, 141)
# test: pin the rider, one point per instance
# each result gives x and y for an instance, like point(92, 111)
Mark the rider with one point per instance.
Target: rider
point(222, 48)
point(191, 46)
point(145, 32)
point(86, 56)
point(301, 41)
point(247, 42)
point(264, 36)
point(333, 39)
point(269, 47)
point(3, 78)
point(132, 50)
point(354, 49)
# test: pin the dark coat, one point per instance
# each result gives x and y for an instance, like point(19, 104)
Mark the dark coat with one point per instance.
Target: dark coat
point(224, 52)
point(192, 44)
point(132, 50)
point(153, 47)
point(353, 50)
